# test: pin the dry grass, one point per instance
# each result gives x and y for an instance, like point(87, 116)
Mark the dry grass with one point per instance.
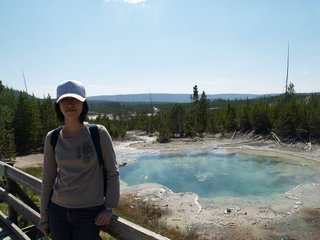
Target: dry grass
point(144, 214)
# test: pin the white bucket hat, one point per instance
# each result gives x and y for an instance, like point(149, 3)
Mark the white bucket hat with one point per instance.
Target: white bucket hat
point(72, 89)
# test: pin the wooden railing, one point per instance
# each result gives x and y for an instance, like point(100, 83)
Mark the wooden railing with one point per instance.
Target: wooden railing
point(20, 203)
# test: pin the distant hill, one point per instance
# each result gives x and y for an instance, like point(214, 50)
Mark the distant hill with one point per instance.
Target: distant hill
point(167, 97)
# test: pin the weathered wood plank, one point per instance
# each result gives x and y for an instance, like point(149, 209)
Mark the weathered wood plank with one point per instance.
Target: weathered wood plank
point(12, 231)
point(18, 191)
point(123, 229)
point(22, 208)
point(21, 177)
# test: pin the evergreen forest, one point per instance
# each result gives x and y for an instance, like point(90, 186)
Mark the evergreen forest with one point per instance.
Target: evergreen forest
point(25, 120)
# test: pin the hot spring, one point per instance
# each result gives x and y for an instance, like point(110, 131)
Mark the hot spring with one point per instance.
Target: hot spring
point(216, 173)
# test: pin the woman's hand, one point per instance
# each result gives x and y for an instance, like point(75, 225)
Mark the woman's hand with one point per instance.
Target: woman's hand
point(43, 226)
point(103, 218)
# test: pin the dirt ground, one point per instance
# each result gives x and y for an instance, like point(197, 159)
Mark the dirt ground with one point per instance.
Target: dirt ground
point(294, 215)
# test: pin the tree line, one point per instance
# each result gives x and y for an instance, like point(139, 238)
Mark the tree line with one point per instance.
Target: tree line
point(25, 119)
point(291, 116)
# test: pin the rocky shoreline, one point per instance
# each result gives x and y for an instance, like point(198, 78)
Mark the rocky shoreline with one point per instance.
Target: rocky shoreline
point(292, 215)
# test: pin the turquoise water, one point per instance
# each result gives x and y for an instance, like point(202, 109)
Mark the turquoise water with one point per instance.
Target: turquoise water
point(217, 174)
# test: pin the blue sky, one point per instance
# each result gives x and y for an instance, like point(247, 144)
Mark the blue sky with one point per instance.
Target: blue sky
point(160, 46)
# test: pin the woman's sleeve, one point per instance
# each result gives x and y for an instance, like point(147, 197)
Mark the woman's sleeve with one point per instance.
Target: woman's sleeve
point(111, 165)
point(49, 172)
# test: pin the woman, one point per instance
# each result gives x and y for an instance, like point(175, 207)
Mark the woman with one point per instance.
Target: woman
point(73, 205)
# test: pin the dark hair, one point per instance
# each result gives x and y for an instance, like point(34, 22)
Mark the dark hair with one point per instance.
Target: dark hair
point(82, 117)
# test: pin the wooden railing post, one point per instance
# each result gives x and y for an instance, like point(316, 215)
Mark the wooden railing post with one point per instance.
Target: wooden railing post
point(10, 187)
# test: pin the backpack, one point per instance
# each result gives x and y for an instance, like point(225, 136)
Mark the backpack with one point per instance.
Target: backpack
point(94, 132)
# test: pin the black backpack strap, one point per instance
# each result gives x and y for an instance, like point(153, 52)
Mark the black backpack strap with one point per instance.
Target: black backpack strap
point(94, 131)
point(55, 137)
point(53, 140)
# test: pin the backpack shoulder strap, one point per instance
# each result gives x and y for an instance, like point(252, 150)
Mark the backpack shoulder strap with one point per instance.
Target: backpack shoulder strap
point(55, 137)
point(94, 131)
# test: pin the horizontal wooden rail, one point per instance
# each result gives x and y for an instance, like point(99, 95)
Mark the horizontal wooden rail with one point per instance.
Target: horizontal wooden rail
point(22, 208)
point(123, 229)
point(17, 233)
point(21, 177)
point(118, 227)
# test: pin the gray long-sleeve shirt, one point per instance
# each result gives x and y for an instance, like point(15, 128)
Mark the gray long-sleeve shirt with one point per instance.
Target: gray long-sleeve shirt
point(73, 172)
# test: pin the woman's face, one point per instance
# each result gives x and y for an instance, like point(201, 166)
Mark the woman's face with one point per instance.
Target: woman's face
point(71, 108)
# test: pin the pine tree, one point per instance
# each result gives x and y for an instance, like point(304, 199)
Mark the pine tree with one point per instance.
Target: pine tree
point(229, 116)
point(312, 116)
point(190, 126)
point(287, 114)
point(243, 116)
point(260, 119)
point(37, 136)
point(216, 121)
point(48, 117)
point(177, 119)
point(164, 132)
point(7, 146)
point(195, 96)
point(202, 113)
point(27, 125)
